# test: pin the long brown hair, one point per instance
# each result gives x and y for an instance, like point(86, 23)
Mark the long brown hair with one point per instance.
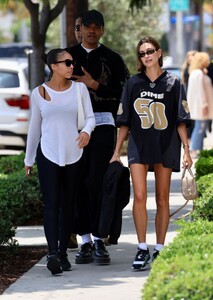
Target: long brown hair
point(151, 40)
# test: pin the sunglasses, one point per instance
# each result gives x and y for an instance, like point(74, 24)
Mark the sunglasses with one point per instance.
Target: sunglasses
point(77, 27)
point(148, 52)
point(68, 62)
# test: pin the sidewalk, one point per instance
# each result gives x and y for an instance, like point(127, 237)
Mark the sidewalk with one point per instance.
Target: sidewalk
point(116, 281)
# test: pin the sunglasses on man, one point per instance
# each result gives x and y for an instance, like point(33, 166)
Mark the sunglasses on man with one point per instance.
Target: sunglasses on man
point(68, 62)
point(77, 27)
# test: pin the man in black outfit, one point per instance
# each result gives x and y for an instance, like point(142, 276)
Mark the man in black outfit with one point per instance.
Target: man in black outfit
point(104, 73)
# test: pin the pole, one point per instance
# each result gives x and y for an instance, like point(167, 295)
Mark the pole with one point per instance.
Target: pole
point(63, 31)
point(179, 36)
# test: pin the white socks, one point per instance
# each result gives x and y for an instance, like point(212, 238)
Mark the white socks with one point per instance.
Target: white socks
point(86, 238)
point(159, 247)
point(143, 246)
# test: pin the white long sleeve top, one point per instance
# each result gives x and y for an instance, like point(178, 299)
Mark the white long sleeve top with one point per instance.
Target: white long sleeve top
point(199, 95)
point(53, 123)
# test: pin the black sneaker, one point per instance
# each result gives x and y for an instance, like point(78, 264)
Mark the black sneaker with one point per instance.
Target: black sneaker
point(84, 256)
point(155, 254)
point(141, 259)
point(54, 264)
point(100, 254)
point(65, 264)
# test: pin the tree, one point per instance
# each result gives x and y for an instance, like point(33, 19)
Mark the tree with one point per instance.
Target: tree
point(42, 13)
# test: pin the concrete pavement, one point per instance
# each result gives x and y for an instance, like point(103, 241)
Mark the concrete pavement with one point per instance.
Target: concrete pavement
point(116, 281)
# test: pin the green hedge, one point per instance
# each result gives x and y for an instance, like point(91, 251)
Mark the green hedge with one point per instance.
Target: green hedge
point(184, 268)
point(204, 165)
point(11, 164)
point(203, 206)
point(20, 197)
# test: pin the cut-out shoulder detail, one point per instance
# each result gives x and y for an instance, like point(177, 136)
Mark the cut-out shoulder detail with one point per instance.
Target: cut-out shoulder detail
point(43, 93)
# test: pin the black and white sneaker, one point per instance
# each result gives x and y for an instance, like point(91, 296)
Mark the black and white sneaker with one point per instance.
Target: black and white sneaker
point(142, 258)
point(155, 254)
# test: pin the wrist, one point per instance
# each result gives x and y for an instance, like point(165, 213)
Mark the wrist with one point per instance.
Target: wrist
point(94, 84)
point(185, 146)
point(116, 154)
point(91, 83)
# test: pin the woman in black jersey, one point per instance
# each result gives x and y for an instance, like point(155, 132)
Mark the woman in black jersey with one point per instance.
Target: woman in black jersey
point(155, 114)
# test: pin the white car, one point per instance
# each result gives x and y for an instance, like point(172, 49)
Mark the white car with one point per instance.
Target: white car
point(14, 102)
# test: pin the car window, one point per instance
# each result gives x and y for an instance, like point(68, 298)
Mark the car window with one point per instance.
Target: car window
point(13, 51)
point(9, 80)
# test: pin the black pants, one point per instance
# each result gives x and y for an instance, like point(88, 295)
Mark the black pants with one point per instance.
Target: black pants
point(59, 187)
point(97, 156)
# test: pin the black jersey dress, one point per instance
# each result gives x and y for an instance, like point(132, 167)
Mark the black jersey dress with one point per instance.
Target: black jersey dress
point(153, 111)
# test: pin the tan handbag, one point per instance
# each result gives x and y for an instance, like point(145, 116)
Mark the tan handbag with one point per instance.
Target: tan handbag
point(188, 185)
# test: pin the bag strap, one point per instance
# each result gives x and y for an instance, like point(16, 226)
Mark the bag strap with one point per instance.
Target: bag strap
point(178, 209)
point(81, 115)
point(183, 174)
point(189, 170)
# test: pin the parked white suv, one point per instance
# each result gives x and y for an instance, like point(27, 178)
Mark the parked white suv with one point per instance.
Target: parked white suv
point(14, 102)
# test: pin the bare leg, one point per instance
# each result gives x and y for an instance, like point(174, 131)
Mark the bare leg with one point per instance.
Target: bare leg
point(139, 174)
point(162, 187)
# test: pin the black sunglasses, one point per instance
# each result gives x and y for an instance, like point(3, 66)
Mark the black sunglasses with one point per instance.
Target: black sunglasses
point(148, 52)
point(77, 27)
point(68, 62)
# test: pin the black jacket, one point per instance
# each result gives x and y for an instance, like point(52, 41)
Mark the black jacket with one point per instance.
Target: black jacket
point(106, 67)
point(116, 194)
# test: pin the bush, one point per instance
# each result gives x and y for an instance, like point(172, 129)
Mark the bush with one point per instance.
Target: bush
point(206, 153)
point(203, 206)
point(20, 197)
point(184, 268)
point(204, 166)
point(11, 164)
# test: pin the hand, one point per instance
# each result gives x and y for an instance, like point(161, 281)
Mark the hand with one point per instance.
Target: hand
point(28, 170)
point(83, 139)
point(115, 157)
point(187, 161)
point(86, 78)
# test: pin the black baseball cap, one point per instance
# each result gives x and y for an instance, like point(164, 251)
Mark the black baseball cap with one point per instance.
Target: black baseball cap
point(92, 16)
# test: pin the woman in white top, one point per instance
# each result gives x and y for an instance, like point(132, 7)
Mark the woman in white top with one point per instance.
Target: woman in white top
point(200, 100)
point(54, 141)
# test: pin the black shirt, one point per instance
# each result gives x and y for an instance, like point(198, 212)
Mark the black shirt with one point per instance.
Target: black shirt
point(106, 67)
point(152, 111)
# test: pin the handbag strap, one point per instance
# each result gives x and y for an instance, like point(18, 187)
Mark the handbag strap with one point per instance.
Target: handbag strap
point(78, 93)
point(80, 105)
point(189, 170)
